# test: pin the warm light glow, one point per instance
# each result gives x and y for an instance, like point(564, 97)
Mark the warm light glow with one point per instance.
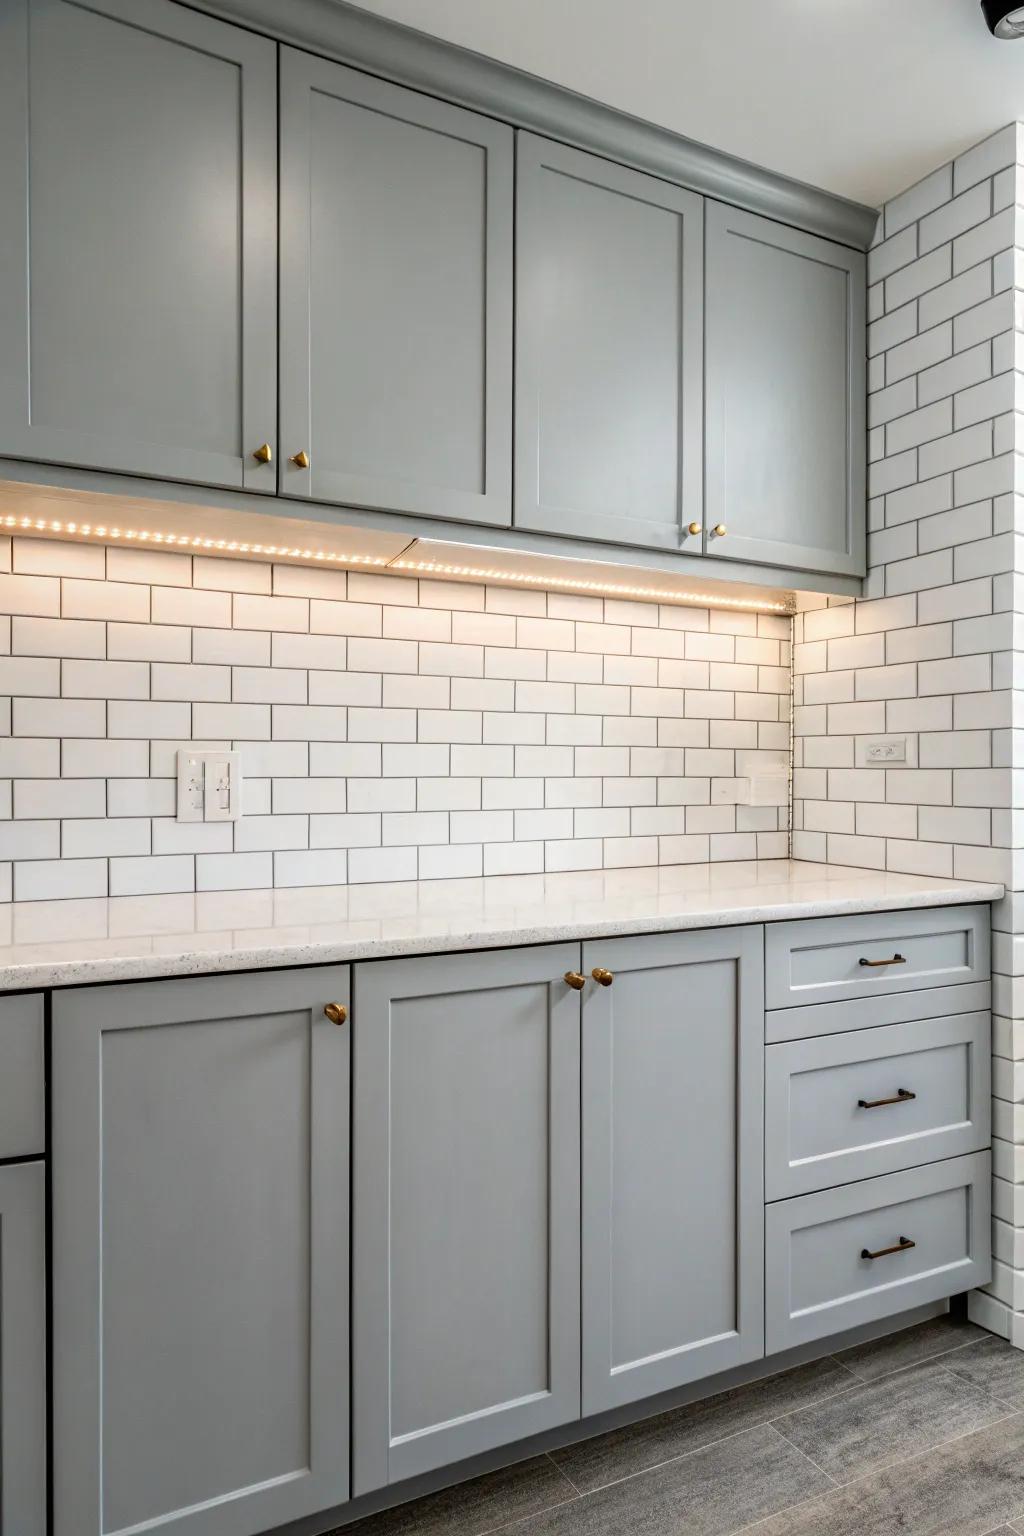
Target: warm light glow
point(544, 581)
point(580, 584)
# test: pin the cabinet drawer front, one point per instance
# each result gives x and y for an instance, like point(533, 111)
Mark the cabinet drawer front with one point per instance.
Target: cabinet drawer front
point(869, 1012)
point(831, 958)
point(22, 1117)
point(818, 1278)
point(856, 1105)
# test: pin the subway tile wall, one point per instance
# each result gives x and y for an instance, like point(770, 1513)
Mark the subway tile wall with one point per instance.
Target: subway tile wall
point(389, 729)
point(933, 653)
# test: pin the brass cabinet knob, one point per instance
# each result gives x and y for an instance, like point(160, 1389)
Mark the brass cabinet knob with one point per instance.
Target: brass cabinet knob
point(602, 977)
point(301, 459)
point(336, 1012)
point(720, 530)
point(694, 529)
point(263, 454)
point(575, 980)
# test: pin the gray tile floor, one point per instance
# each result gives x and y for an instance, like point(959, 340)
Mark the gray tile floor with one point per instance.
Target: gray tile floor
point(917, 1434)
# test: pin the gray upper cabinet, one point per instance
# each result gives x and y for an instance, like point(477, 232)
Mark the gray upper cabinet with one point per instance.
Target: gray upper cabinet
point(200, 1266)
point(466, 1175)
point(138, 181)
point(22, 1351)
point(396, 297)
point(608, 350)
point(673, 1207)
point(785, 396)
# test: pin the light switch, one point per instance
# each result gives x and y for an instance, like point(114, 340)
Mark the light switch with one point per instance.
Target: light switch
point(222, 788)
point(209, 785)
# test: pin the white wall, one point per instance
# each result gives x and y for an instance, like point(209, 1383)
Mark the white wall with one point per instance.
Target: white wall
point(932, 653)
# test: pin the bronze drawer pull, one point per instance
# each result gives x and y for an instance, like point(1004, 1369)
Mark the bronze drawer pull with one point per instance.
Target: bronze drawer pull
point(575, 980)
point(336, 1012)
point(602, 977)
point(895, 960)
point(880, 1253)
point(903, 1096)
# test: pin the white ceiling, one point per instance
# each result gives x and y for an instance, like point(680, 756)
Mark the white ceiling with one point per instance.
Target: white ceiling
point(859, 96)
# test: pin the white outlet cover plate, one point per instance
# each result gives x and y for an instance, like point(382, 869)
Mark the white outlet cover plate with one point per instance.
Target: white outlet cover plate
point(887, 751)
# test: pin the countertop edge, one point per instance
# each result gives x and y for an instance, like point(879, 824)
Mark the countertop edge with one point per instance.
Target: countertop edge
point(34, 976)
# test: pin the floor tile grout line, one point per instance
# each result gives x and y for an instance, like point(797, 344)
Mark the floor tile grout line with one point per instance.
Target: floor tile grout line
point(928, 1360)
point(562, 1473)
point(901, 1461)
point(994, 1397)
point(808, 1458)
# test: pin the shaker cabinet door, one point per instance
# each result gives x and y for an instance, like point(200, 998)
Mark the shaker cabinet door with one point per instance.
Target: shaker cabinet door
point(785, 396)
point(608, 351)
point(22, 1351)
point(200, 1254)
point(673, 1204)
point(466, 1174)
point(138, 182)
point(396, 297)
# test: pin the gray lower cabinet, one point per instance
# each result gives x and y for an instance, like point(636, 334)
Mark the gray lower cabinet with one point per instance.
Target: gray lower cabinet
point(396, 297)
point(22, 1351)
point(784, 396)
point(609, 279)
point(673, 1202)
point(466, 1206)
point(138, 181)
point(200, 1254)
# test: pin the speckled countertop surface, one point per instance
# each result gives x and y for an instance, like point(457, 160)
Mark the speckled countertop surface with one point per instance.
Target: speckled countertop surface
point(131, 938)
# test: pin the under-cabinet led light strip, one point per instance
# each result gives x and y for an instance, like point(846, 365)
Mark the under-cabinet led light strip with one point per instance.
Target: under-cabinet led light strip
point(103, 532)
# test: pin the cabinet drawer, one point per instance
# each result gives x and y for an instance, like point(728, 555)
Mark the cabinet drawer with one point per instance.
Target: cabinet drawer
point(852, 1106)
point(870, 1012)
point(22, 1116)
point(826, 959)
point(818, 1278)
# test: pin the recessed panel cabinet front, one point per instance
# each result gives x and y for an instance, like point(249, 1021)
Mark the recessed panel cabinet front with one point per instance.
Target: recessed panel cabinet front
point(22, 1350)
point(673, 1206)
point(609, 272)
point(138, 182)
point(784, 396)
point(200, 1254)
point(396, 297)
point(465, 1206)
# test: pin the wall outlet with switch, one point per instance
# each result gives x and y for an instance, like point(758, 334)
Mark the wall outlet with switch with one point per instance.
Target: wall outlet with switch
point(209, 785)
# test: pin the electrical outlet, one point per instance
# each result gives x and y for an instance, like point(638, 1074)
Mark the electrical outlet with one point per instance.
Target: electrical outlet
point(209, 785)
point(886, 750)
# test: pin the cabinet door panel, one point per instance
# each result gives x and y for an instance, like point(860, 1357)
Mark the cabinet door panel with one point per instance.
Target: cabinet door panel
point(672, 1162)
point(137, 295)
point(466, 1207)
point(785, 389)
point(200, 1254)
point(22, 1351)
point(608, 350)
point(396, 296)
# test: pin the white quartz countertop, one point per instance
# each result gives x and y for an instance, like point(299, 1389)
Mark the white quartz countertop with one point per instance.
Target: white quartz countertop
point(131, 938)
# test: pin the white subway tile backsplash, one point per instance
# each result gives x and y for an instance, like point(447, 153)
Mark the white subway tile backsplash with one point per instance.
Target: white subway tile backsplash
point(387, 728)
point(57, 637)
point(60, 879)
